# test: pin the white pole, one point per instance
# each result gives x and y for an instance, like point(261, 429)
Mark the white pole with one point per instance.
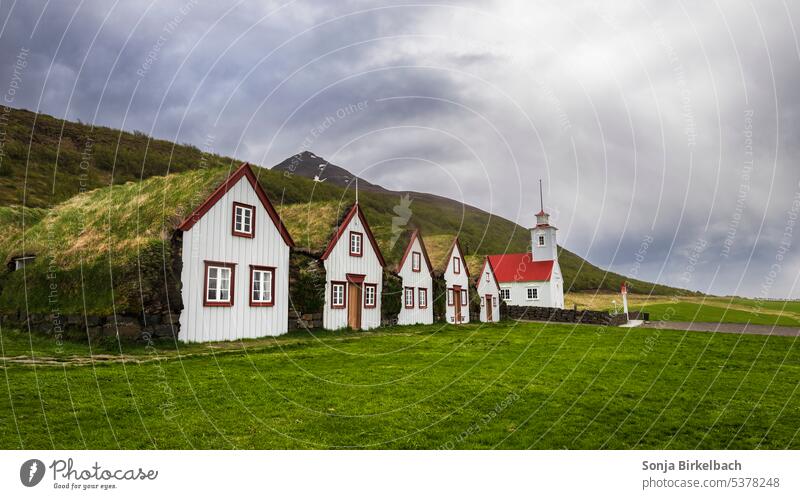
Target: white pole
point(624, 291)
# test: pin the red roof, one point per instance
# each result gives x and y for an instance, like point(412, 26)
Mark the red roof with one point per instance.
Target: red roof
point(518, 267)
point(242, 171)
point(343, 226)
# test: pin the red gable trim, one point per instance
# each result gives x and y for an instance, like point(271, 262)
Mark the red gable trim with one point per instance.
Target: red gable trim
point(455, 244)
point(487, 262)
point(414, 236)
point(519, 267)
point(242, 171)
point(343, 226)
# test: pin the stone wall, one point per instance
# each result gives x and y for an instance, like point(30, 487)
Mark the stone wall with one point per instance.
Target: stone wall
point(564, 315)
point(128, 327)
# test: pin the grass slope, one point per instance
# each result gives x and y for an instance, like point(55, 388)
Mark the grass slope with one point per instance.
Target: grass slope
point(501, 386)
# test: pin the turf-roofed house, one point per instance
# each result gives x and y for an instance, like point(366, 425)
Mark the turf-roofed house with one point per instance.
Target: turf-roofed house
point(456, 278)
point(416, 272)
point(354, 275)
point(235, 272)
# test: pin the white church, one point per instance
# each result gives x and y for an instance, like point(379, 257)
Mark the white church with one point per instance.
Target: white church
point(532, 279)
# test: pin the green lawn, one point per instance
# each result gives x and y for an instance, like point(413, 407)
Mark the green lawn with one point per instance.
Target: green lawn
point(503, 386)
point(716, 311)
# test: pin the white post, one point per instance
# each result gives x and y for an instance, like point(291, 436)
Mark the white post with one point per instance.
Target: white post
point(624, 291)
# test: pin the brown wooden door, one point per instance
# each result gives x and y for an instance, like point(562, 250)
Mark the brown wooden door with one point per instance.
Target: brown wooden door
point(457, 304)
point(354, 305)
point(489, 308)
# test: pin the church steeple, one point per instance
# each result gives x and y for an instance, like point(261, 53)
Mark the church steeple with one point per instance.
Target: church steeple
point(543, 236)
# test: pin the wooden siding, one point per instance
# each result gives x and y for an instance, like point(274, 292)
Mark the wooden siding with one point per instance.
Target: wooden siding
point(452, 279)
point(488, 288)
point(210, 238)
point(338, 264)
point(416, 280)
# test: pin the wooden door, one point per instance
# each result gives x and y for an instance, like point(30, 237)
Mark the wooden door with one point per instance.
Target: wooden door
point(354, 305)
point(457, 304)
point(489, 308)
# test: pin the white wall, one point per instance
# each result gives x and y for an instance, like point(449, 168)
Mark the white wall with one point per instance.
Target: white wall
point(487, 286)
point(210, 238)
point(452, 279)
point(417, 280)
point(338, 264)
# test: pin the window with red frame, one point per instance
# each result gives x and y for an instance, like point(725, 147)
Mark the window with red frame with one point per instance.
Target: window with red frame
point(356, 244)
point(219, 284)
point(423, 297)
point(409, 297)
point(416, 259)
point(456, 265)
point(370, 295)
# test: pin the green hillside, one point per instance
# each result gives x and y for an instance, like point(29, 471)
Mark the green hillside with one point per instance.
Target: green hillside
point(109, 248)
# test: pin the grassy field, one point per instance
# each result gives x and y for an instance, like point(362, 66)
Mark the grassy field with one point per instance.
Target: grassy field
point(695, 309)
point(501, 386)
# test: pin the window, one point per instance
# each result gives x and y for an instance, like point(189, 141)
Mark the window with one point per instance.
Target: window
point(219, 284)
point(533, 293)
point(262, 286)
point(505, 293)
point(370, 294)
point(409, 297)
point(450, 297)
point(423, 297)
point(463, 297)
point(541, 239)
point(494, 301)
point(243, 220)
point(456, 265)
point(337, 295)
point(416, 258)
point(356, 238)
point(487, 277)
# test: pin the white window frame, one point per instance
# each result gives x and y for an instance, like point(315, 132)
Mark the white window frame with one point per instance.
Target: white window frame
point(505, 294)
point(370, 294)
point(528, 293)
point(408, 297)
point(416, 261)
point(262, 299)
point(540, 240)
point(340, 303)
point(422, 297)
point(239, 225)
point(356, 243)
point(217, 288)
point(464, 297)
point(456, 265)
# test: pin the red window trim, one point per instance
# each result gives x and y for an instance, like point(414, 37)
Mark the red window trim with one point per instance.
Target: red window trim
point(344, 294)
point(420, 292)
point(211, 263)
point(350, 243)
point(364, 289)
point(252, 209)
point(456, 268)
point(464, 298)
point(272, 293)
point(451, 296)
point(405, 295)
point(418, 256)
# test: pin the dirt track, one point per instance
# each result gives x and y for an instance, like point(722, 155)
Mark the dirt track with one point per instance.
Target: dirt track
point(725, 328)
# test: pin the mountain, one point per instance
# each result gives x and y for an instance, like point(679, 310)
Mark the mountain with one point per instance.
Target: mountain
point(309, 165)
point(108, 220)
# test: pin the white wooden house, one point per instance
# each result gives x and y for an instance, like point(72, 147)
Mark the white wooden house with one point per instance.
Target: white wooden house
point(235, 265)
point(489, 293)
point(456, 278)
point(354, 275)
point(416, 272)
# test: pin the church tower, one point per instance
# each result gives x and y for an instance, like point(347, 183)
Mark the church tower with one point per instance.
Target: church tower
point(543, 236)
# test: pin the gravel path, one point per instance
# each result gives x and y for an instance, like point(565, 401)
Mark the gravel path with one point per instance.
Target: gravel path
point(725, 328)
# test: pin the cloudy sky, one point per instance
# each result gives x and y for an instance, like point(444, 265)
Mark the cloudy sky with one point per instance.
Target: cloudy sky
point(667, 136)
